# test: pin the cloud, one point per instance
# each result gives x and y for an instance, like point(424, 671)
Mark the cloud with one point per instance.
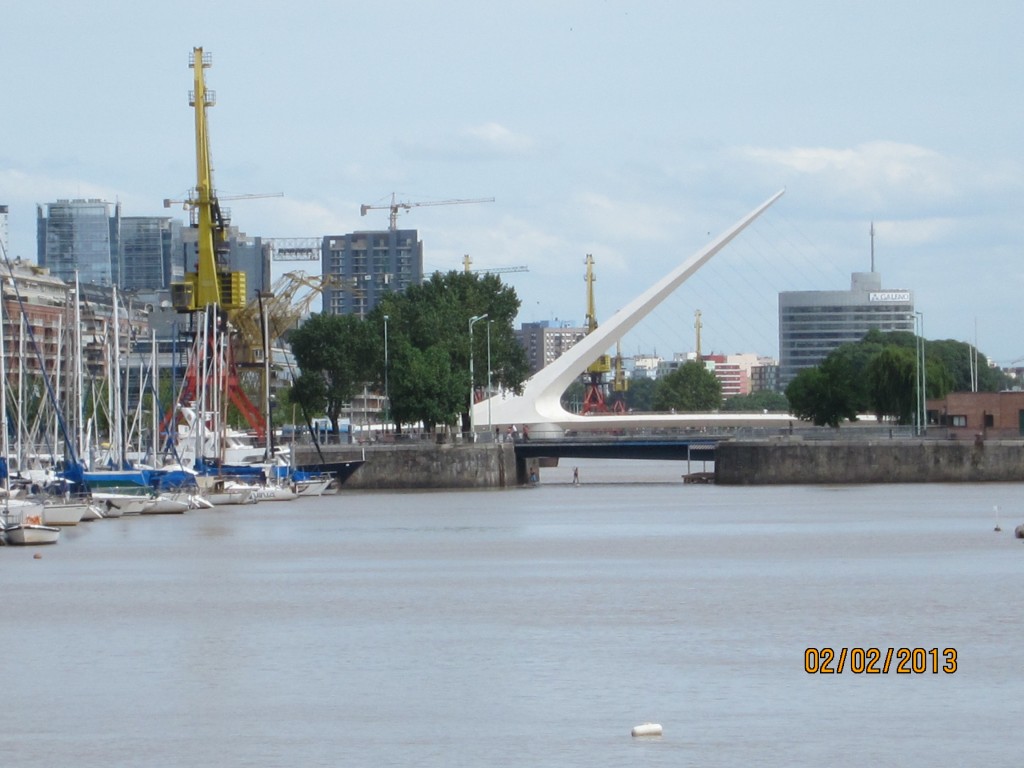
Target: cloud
point(877, 175)
point(608, 217)
point(498, 139)
point(486, 141)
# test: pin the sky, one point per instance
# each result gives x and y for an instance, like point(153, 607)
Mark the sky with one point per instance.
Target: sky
point(632, 131)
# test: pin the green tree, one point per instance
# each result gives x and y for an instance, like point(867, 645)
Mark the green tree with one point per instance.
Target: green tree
point(825, 395)
point(757, 402)
point(335, 357)
point(956, 360)
point(689, 388)
point(640, 395)
point(434, 317)
point(424, 387)
point(892, 383)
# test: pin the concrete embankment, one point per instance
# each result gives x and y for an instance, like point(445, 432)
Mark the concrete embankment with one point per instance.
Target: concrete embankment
point(424, 465)
point(798, 462)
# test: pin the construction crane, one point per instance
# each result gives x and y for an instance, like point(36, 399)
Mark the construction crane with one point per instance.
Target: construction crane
point(283, 311)
point(395, 206)
point(594, 377)
point(212, 286)
point(467, 263)
point(189, 203)
point(212, 283)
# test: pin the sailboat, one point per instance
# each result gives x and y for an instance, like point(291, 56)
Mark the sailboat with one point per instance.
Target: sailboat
point(21, 521)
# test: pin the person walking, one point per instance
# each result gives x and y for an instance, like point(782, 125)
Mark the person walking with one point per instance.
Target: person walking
point(575, 475)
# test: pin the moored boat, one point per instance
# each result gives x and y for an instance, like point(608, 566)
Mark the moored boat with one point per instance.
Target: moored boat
point(26, 528)
point(64, 512)
point(166, 504)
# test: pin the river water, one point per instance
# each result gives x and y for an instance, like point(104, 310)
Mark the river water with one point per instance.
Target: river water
point(527, 627)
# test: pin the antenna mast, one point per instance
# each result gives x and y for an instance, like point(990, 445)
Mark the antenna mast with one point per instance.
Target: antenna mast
point(872, 231)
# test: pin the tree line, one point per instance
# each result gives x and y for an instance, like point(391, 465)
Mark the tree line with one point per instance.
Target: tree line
point(880, 375)
point(424, 365)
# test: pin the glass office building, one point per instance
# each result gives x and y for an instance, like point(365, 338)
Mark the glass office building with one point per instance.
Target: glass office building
point(79, 236)
point(813, 323)
point(148, 245)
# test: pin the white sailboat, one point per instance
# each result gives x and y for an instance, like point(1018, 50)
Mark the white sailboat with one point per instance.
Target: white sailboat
point(21, 521)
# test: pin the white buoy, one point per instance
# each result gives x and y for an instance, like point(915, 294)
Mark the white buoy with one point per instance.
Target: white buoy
point(647, 729)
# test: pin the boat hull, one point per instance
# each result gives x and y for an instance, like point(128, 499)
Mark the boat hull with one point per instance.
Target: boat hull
point(166, 505)
point(26, 534)
point(64, 514)
point(340, 470)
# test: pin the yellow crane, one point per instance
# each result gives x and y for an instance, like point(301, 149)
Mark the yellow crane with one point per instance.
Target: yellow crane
point(283, 311)
point(395, 206)
point(467, 263)
point(211, 283)
point(594, 397)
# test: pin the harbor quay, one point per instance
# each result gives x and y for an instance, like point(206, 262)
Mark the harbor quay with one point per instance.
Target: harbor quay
point(423, 465)
point(772, 461)
point(785, 461)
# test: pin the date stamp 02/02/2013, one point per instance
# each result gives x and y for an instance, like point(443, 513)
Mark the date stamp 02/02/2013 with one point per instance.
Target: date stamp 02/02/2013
point(879, 661)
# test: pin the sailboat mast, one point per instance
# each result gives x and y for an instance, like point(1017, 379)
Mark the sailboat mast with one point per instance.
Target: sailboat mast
point(266, 377)
point(155, 373)
point(79, 364)
point(115, 384)
point(3, 402)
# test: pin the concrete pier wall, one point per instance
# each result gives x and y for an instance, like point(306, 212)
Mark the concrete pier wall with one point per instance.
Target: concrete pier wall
point(795, 462)
point(420, 466)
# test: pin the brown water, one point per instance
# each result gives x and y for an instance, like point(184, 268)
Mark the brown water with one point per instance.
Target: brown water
point(531, 627)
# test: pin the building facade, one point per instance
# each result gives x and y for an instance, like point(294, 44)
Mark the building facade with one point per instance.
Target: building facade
point(544, 343)
point(5, 248)
point(79, 236)
point(362, 267)
point(814, 323)
point(969, 415)
point(146, 254)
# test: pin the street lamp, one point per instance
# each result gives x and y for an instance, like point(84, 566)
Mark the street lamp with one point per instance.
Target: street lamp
point(923, 382)
point(472, 390)
point(387, 397)
point(489, 430)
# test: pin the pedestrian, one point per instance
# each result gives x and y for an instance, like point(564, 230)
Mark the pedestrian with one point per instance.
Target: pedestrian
point(526, 431)
point(575, 475)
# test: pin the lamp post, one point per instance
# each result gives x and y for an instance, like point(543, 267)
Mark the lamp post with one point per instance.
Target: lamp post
point(387, 396)
point(472, 390)
point(923, 383)
point(917, 376)
point(489, 428)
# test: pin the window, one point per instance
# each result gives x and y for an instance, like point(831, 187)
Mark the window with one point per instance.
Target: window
point(958, 421)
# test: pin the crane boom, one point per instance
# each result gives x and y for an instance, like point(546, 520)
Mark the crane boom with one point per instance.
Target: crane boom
point(395, 206)
point(467, 263)
point(210, 284)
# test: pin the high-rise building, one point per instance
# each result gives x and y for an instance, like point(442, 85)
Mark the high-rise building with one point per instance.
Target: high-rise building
point(148, 246)
point(79, 236)
point(4, 247)
point(545, 343)
point(814, 323)
point(364, 266)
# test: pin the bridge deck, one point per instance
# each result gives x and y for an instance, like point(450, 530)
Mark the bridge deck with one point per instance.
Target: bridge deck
point(631, 447)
